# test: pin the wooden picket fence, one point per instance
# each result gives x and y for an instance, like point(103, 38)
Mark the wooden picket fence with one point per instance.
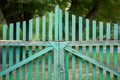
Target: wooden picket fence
point(60, 50)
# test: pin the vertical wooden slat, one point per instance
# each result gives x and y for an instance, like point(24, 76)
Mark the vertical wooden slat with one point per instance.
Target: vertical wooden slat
point(56, 39)
point(30, 50)
point(61, 51)
point(24, 51)
point(43, 39)
point(56, 23)
point(94, 50)
point(60, 25)
point(50, 52)
point(115, 50)
point(101, 50)
point(17, 49)
point(73, 39)
point(87, 49)
point(108, 51)
point(37, 49)
point(80, 48)
point(4, 50)
point(11, 51)
point(66, 39)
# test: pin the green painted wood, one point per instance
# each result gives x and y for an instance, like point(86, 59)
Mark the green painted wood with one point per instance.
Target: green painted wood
point(101, 49)
point(43, 39)
point(24, 31)
point(50, 52)
point(73, 56)
point(108, 51)
point(66, 39)
point(60, 25)
point(66, 26)
point(56, 39)
point(24, 51)
point(87, 49)
point(24, 43)
point(56, 22)
point(30, 29)
point(71, 43)
point(115, 50)
point(56, 62)
point(23, 67)
point(80, 65)
point(80, 29)
point(61, 51)
point(73, 51)
point(101, 31)
point(4, 50)
point(17, 49)
point(43, 66)
point(37, 65)
point(50, 26)
point(66, 66)
point(43, 28)
point(94, 66)
point(73, 27)
point(80, 47)
point(30, 50)
point(25, 61)
point(87, 63)
point(87, 29)
point(37, 28)
point(94, 50)
point(61, 68)
point(11, 51)
point(37, 49)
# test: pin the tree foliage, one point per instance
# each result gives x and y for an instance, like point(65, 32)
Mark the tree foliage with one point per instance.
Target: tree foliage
point(19, 10)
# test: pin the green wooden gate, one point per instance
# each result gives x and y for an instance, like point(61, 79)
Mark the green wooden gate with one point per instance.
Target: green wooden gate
point(56, 54)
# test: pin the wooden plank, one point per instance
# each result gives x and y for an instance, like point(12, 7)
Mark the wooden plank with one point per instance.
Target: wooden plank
point(73, 51)
point(73, 56)
point(30, 50)
point(56, 23)
point(108, 51)
point(25, 61)
point(80, 47)
point(37, 49)
point(61, 58)
point(71, 43)
point(60, 25)
point(87, 29)
point(66, 39)
point(4, 50)
point(50, 52)
point(56, 39)
point(66, 26)
point(11, 51)
point(17, 49)
point(24, 51)
point(55, 64)
point(43, 39)
point(115, 50)
point(61, 51)
point(101, 49)
point(94, 50)
point(87, 49)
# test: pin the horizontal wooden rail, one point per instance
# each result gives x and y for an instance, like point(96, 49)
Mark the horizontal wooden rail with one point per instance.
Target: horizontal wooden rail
point(48, 43)
point(95, 43)
point(24, 43)
point(79, 54)
point(25, 61)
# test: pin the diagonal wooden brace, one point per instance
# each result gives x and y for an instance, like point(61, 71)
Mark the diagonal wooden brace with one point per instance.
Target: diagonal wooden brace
point(79, 54)
point(25, 61)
